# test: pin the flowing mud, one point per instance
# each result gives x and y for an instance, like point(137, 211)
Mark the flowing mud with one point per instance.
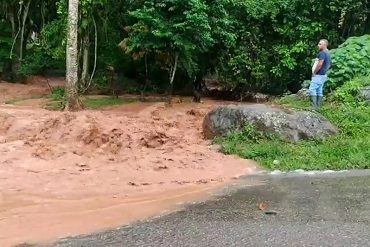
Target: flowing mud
point(64, 174)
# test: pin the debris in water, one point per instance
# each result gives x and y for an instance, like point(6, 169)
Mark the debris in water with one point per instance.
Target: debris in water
point(262, 206)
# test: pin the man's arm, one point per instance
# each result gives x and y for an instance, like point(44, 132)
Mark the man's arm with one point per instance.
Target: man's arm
point(321, 58)
point(319, 66)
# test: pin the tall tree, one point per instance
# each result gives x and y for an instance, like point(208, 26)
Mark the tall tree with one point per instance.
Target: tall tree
point(73, 102)
point(175, 30)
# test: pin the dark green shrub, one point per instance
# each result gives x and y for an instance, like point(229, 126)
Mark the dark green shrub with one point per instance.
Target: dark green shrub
point(349, 60)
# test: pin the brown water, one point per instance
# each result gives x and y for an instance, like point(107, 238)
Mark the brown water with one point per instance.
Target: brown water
point(34, 220)
point(64, 174)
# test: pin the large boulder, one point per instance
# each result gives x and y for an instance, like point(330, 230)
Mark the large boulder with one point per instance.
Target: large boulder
point(290, 125)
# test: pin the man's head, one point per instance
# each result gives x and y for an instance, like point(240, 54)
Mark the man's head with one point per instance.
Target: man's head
point(323, 44)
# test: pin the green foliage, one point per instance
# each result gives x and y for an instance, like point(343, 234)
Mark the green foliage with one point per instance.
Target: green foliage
point(253, 45)
point(101, 84)
point(54, 39)
point(58, 94)
point(5, 40)
point(349, 150)
point(351, 59)
point(168, 29)
point(291, 101)
point(276, 40)
point(249, 133)
point(58, 100)
point(48, 53)
point(349, 93)
point(354, 122)
point(5, 43)
point(36, 63)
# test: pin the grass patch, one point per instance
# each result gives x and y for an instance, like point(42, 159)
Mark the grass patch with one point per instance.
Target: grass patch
point(96, 103)
point(348, 150)
point(58, 101)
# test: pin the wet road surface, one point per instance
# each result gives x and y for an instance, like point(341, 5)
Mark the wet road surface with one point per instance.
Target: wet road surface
point(326, 209)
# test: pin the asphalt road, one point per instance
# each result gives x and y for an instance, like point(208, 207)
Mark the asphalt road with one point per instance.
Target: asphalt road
point(330, 209)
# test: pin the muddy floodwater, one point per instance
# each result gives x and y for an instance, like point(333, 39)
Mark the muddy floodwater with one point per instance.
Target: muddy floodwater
point(64, 174)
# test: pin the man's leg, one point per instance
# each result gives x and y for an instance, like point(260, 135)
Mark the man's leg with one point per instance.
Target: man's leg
point(313, 89)
point(319, 100)
point(320, 94)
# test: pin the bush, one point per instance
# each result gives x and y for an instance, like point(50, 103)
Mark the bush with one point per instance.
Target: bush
point(58, 94)
point(35, 63)
point(48, 53)
point(349, 93)
point(349, 60)
point(5, 48)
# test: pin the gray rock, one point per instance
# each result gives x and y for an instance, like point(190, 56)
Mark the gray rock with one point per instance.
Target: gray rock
point(260, 97)
point(287, 124)
point(365, 93)
point(302, 94)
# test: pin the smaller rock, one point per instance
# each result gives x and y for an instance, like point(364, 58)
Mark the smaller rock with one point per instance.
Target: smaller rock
point(302, 94)
point(260, 97)
point(216, 148)
point(276, 172)
point(365, 93)
point(276, 162)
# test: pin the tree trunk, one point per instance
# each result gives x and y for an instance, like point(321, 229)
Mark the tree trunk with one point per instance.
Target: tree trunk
point(172, 77)
point(146, 79)
point(197, 87)
point(367, 21)
point(95, 52)
point(87, 83)
point(15, 37)
point(12, 22)
point(25, 14)
point(8, 67)
point(72, 100)
point(42, 11)
point(85, 60)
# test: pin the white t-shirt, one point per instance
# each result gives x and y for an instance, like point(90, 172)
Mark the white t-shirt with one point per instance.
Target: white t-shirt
point(315, 65)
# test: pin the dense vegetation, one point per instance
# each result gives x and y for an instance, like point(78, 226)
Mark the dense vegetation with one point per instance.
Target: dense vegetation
point(160, 46)
point(350, 59)
point(137, 45)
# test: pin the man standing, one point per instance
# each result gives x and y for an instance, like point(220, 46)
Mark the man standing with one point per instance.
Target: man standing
point(319, 74)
